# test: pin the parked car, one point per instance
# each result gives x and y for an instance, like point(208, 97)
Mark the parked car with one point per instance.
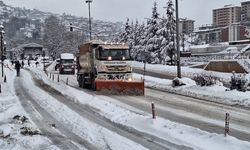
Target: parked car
point(67, 63)
point(57, 63)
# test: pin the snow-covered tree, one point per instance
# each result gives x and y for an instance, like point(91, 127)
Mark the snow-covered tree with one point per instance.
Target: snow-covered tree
point(164, 33)
point(136, 34)
point(124, 37)
point(140, 47)
point(152, 46)
point(154, 42)
point(57, 39)
point(53, 36)
point(171, 27)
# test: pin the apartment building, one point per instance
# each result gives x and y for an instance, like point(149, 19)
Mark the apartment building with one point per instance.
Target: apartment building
point(186, 26)
point(245, 11)
point(226, 16)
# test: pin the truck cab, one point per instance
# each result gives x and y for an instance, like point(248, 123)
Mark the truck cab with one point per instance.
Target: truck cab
point(112, 62)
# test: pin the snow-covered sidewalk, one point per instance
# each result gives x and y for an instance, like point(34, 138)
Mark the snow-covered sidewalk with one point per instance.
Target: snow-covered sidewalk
point(15, 122)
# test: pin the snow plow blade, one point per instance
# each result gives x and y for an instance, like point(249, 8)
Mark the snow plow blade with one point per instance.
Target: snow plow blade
point(120, 87)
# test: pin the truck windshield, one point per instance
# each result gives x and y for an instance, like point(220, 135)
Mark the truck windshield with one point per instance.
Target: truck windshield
point(67, 61)
point(115, 54)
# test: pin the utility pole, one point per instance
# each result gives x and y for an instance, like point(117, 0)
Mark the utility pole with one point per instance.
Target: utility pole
point(177, 40)
point(89, 1)
point(2, 32)
point(44, 61)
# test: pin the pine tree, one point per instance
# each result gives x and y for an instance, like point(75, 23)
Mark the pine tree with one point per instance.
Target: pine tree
point(138, 41)
point(152, 37)
point(164, 37)
point(171, 26)
point(141, 47)
point(135, 38)
point(124, 37)
point(131, 36)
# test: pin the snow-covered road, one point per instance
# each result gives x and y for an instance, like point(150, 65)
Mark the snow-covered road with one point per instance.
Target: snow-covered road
point(84, 119)
point(56, 131)
point(126, 136)
point(205, 115)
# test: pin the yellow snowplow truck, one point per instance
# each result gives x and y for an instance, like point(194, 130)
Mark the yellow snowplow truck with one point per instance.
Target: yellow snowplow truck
point(105, 67)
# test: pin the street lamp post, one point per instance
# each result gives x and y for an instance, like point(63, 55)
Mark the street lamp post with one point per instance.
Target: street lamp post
point(44, 60)
point(145, 61)
point(89, 1)
point(177, 40)
point(1, 34)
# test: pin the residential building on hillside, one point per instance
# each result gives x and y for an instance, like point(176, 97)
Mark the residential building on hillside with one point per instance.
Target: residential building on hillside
point(227, 15)
point(186, 26)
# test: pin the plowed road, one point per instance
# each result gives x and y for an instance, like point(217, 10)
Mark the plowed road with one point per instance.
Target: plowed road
point(62, 135)
point(208, 116)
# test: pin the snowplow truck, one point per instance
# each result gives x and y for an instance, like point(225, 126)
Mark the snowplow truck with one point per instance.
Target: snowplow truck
point(106, 68)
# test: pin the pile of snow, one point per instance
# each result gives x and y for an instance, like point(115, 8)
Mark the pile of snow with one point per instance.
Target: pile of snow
point(229, 50)
point(185, 71)
point(216, 93)
point(245, 49)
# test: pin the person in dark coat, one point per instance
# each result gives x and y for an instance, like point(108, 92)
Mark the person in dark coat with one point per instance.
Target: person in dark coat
point(37, 63)
point(17, 67)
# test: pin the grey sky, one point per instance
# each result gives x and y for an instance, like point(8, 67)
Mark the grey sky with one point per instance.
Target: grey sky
point(119, 10)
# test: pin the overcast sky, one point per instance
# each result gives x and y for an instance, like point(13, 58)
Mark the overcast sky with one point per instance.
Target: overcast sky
point(119, 10)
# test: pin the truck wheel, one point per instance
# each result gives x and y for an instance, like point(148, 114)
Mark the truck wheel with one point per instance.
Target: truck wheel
point(93, 85)
point(82, 81)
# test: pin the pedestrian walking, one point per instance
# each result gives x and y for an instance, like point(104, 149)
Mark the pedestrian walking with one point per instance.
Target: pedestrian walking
point(37, 63)
point(17, 67)
point(22, 64)
point(28, 62)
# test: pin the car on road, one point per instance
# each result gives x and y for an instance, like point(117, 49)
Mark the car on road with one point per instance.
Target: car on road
point(57, 64)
